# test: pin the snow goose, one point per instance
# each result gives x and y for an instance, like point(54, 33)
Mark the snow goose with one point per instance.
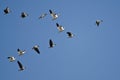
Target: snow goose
point(11, 58)
point(20, 52)
point(51, 44)
point(59, 27)
point(54, 15)
point(36, 48)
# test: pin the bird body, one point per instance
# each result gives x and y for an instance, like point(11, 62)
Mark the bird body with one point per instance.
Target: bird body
point(11, 58)
point(20, 52)
point(59, 27)
point(54, 15)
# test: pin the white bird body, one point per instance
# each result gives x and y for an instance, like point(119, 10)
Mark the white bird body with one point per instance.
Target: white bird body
point(21, 52)
point(59, 27)
point(11, 58)
point(54, 15)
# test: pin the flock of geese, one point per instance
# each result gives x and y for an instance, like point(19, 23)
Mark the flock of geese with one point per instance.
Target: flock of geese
point(36, 47)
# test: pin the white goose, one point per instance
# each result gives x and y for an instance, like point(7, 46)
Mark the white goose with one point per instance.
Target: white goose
point(54, 15)
point(59, 27)
point(11, 58)
point(21, 52)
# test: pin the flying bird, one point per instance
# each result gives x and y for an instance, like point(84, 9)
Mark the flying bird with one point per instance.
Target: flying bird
point(70, 35)
point(42, 16)
point(98, 22)
point(11, 58)
point(36, 48)
point(21, 67)
point(7, 10)
point(51, 44)
point(54, 15)
point(23, 14)
point(20, 52)
point(59, 27)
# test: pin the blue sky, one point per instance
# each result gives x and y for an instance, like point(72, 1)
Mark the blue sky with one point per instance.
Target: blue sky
point(92, 54)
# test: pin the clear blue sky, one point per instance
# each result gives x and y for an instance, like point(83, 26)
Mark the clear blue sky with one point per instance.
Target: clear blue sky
point(93, 54)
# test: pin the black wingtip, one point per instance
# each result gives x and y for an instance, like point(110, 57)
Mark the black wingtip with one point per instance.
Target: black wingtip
point(8, 57)
point(50, 11)
point(68, 32)
point(18, 49)
point(18, 61)
point(57, 24)
point(38, 52)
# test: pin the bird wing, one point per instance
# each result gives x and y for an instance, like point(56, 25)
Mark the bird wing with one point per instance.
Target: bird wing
point(8, 57)
point(50, 43)
point(69, 33)
point(18, 49)
point(37, 50)
point(97, 23)
point(20, 65)
point(50, 11)
point(57, 24)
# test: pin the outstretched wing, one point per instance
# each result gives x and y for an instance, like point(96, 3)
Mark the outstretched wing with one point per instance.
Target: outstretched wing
point(37, 50)
point(69, 33)
point(20, 65)
point(97, 23)
point(51, 43)
point(50, 11)
point(18, 49)
point(8, 57)
point(57, 25)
